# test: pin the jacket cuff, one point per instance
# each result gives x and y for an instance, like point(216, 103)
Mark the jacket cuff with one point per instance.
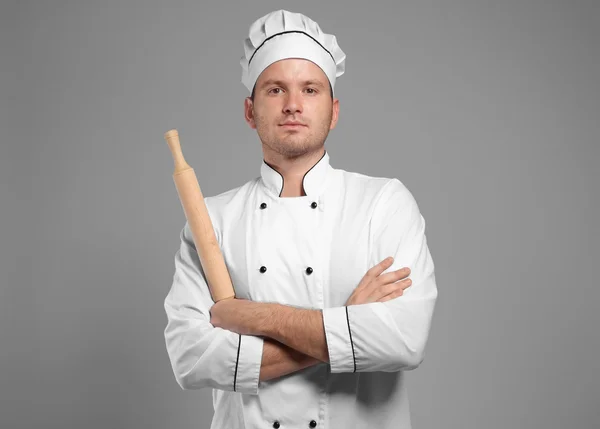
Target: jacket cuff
point(338, 334)
point(247, 366)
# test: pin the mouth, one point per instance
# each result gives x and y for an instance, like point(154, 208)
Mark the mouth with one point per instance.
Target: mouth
point(292, 125)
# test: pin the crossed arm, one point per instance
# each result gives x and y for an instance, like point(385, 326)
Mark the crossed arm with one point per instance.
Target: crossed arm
point(378, 336)
point(286, 348)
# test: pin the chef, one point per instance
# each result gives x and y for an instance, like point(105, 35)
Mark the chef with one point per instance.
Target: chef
point(334, 282)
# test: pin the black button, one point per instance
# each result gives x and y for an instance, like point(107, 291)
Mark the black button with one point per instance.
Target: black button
point(313, 424)
point(263, 205)
point(276, 424)
point(263, 269)
point(314, 206)
point(309, 270)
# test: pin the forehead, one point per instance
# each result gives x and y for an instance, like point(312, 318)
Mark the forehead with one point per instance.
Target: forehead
point(291, 69)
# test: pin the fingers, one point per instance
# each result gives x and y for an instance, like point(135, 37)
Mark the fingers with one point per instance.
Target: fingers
point(393, 276)
point(396, 290)
point(375, 271)
point(391, 296)
point(376, 286)
point(391, 290)
point(380, 267)
point(394, 287)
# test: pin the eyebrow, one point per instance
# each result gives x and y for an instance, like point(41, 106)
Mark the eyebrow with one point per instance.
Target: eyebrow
point(280, 82)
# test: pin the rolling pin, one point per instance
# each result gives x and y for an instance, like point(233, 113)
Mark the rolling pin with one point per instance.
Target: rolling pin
point(196, 213)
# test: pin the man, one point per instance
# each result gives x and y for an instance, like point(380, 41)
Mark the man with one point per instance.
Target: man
point(317, 335)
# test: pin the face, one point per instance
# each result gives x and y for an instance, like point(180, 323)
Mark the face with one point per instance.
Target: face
point(292, 90)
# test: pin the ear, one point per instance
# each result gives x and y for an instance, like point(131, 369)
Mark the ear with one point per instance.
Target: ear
point(335, 110)
point(249, 112)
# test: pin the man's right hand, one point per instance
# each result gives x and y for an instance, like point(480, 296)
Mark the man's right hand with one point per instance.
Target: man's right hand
point(380, 288)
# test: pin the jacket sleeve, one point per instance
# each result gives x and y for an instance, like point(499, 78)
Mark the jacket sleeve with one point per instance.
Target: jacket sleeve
point(388, 336)
point(202, 355)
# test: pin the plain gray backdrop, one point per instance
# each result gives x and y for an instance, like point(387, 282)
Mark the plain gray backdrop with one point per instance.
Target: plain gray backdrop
point(488, 111)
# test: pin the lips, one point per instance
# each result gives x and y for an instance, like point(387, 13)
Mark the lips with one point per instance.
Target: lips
point(292, 124)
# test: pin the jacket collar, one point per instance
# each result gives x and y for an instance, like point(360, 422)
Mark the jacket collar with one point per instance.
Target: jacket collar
point(313, 182)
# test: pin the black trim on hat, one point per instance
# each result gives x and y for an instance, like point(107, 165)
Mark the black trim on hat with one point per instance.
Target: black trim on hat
point(285, 32)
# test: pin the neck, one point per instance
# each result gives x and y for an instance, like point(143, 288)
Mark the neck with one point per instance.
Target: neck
point(292, 169)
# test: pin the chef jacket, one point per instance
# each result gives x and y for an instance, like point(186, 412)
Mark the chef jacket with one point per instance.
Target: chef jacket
point(311, 252)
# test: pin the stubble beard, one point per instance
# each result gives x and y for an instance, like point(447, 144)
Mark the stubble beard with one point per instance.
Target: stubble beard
point(294, 144)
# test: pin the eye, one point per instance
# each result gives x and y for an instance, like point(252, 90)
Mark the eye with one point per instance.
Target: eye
point(312, 89)
point(273, 89)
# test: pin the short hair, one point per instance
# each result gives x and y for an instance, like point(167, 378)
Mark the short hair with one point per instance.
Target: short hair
point(330, 91)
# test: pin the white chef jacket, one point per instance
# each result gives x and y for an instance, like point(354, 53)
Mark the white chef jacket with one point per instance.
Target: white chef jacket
point(311, 252)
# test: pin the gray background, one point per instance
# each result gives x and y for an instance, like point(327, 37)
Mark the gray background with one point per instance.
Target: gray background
point(488, 111)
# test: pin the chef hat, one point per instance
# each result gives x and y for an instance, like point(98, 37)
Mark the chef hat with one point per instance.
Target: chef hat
point(282, 34)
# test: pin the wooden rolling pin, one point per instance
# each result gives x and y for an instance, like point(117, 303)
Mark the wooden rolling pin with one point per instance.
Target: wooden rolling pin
point(196, 213)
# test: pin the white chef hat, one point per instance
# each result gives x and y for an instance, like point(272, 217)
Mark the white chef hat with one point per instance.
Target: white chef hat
point(282, 34)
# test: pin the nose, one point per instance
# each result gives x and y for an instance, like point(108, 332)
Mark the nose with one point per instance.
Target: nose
point(293, 102)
